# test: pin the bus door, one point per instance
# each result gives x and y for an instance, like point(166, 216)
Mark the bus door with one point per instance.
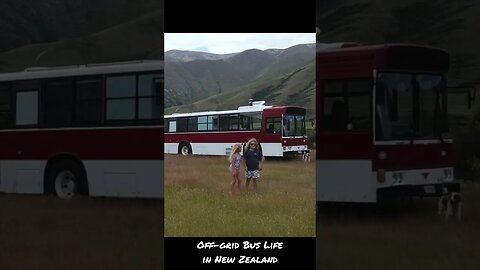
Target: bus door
point(344, 141)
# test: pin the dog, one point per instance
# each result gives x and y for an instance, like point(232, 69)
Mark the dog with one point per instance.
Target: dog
point(306, 156)
point(449, 205)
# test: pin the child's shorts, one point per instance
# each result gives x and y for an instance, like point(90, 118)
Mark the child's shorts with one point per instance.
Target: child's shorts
point(252, 174)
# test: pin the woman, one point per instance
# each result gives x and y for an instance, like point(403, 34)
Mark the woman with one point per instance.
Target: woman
point(253, 160)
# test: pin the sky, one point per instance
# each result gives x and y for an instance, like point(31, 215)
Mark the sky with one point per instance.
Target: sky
point(223, 43)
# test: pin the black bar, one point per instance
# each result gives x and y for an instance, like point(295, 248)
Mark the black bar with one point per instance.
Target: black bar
point(239, 16)
point(239, 253)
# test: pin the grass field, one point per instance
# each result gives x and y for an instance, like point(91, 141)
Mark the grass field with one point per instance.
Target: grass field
point(197, 201)
point(43, 232)
point(415, 237)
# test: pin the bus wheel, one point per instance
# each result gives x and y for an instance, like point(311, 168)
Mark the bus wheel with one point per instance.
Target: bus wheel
point(66, 176)
point(185, 149)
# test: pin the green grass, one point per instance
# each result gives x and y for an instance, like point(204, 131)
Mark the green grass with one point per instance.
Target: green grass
point(197, 201)
point(410, 238)
point(44, 232)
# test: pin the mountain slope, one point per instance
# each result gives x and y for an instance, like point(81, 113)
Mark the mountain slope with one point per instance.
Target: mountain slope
point(24, 22)
point(187, 82)
point(187, 56)
point(451, 25)
point(294, 88)
point(141, 38)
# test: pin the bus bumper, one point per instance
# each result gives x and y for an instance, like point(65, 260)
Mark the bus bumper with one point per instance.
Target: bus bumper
point(430, 190)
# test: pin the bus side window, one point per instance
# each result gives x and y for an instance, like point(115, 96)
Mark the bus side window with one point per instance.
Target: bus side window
point(339, 115)
point(5, 107)
point(347, 105)
point(270, 129)
point(244, 122)
point(274, 125)
point(26, 108)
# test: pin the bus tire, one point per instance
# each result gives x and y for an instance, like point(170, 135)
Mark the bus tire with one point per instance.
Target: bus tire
point(66, 177)
point(185, 149)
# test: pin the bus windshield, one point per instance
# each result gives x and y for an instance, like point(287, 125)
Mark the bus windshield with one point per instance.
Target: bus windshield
point(294, 126)
point(410, 106)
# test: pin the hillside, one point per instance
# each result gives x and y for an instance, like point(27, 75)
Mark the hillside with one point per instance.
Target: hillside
point(187, 56)
point(296, 87)
point(452, 25)
point(228, 75)
point(140, 38)
point(24, 22)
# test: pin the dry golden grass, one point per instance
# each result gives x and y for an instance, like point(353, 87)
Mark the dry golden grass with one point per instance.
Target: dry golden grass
point(197, 201)
point(410, 238)
point(43, 232)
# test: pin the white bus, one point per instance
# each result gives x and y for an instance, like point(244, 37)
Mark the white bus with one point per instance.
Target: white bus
point(280, 130)
point(90, 129)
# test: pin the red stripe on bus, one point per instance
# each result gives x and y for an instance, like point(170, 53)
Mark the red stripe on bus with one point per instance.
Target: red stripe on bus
point(348, 146)
point(86, 144)
point(413, 156)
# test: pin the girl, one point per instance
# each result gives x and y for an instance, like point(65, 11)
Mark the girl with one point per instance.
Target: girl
point(235, 161)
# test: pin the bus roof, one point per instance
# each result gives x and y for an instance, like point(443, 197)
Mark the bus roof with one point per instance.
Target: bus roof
point(335, 45)
point(352, 46)
point(257, 106)
point(389, 56)
point(83, 70)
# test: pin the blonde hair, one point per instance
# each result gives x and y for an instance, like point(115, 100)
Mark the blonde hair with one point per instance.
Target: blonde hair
point(235, 149)
point(257, 146)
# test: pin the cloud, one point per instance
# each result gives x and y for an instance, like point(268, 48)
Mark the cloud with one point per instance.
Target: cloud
point(201, 49)
point(223, 43)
